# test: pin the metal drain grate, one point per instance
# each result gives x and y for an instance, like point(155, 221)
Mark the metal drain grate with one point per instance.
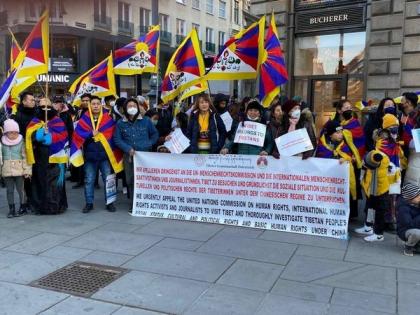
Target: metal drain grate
point(79, 278)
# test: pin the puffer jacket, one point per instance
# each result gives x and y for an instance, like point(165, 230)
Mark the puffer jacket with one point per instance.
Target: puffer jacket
point(14, 161)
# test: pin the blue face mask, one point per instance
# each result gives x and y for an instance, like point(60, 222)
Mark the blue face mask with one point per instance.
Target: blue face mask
point(390, 110)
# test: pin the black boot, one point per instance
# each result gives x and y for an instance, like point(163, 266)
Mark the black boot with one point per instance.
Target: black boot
point(111, 207)
point(23, 209)
point(12, 212)
point(87, 208)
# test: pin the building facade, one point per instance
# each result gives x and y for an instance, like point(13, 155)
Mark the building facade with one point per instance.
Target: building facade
point(83, 32)
point(358, 49)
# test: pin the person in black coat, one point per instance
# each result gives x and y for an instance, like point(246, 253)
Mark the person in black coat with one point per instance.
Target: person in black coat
point(408, 220)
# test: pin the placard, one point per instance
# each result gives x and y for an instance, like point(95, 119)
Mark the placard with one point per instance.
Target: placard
point(111, 189)
point(294, 142)
point(250, 132)
point(227, 120)
point(290, 195)
point(416, 139)
point(178, 142)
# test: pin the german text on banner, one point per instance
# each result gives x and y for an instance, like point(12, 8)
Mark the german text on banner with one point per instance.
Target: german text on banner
point(290, 195)
point(139, 56)
point(241, 55)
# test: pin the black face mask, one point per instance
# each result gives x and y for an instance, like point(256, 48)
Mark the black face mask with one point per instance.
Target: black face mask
point(348, 114)
point(390, 110)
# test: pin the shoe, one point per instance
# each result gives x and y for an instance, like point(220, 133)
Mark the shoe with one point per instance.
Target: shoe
point(409, 251)
point(12, 211)
point(111, 207)
point(23, 209)
point(374, 238)
point(364, 230)
point(79, 185)
point(125, 190)
point(87, 208)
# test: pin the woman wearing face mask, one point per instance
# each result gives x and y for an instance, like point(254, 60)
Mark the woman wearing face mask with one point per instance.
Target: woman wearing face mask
point(275, 125)
point(253, 113)
point(386, 106)
point(206, 129)
point(293, 119)
point(133, 133)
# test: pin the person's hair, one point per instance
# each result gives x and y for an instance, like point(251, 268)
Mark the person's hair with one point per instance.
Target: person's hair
point(338, 105)
point(109, 98)
point(205, 97)
point(24, 95)
point(94, 97)
point(244, 101)
point(273, 108)
point(86, 95)
point(380, 109)
point(152, 112)
point(182, 118)
point(411, 97)
point(128, 100)
point(120, 102)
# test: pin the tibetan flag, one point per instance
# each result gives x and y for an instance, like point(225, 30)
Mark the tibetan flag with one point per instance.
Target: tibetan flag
point(185, 69)
point(241, 55)
point(99, 81)
point(6, 88)
point(193, 90)
point(139, 56)
point(15, 53)
point(36, 47)
point(273, 72)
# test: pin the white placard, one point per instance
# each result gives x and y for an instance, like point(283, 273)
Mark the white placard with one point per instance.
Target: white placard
point(111, 189)
point(416, 139)
point(178, 142)
point(251, 132)
point(227, 120)
point(294, 142)
point(290, 194)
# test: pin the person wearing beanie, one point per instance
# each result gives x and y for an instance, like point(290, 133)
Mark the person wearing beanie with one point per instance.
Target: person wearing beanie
point(13, 166)
point(408, 219)
point(375, 184)
point(294, 118)
point(337, 143)
point(254, 113)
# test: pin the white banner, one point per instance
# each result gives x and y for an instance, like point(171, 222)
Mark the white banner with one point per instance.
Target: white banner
point(308, 197)
point(251, 133)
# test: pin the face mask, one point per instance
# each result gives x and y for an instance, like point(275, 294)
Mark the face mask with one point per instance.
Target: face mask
point(348, 114)
point(132, 111)
point(295, 114)
point(252, 119)
point(154, 122)
point(390, 110)
point(112, 103)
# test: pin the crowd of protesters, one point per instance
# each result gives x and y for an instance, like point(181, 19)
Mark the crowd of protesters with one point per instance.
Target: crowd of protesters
point(384, 165)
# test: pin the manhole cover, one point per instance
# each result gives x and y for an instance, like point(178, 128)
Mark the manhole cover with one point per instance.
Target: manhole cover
point(79, 278)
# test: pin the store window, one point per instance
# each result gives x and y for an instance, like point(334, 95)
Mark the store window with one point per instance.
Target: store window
point(64, 54)
point(330, 54)
point(128, 85)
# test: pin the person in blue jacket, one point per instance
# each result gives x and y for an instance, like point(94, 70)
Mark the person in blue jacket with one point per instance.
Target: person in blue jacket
point(133, 133)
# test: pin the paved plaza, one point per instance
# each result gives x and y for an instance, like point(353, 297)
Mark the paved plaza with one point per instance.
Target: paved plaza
point(178, 267)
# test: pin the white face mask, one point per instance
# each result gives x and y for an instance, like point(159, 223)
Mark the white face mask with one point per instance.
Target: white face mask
point(253, 119)
point(112, 103)
point(132, 111)
point(295, 114)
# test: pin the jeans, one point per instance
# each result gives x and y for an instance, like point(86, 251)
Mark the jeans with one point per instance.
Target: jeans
point(12, 183)
point(91, 168)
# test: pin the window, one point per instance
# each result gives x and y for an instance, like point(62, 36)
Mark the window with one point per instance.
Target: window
point(196, 4)
point(145, 17)
point(209, 6)
point(181, 1)
point(209, 35)
point(236, 12)
point(123, 11)
point(34, 9)
point(180, 27)
point(64, 54)
point(99, 10)
point(222, 9)
point(164, 22)
point(197, 27)
point(222, 39)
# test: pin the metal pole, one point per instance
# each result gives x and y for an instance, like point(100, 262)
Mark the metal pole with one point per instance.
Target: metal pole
point(155, 21)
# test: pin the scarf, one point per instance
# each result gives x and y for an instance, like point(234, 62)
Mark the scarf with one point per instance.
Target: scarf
point(105, 128)
point(203, 139)
point(394, 152)
point(353, 125)
point(58, 131)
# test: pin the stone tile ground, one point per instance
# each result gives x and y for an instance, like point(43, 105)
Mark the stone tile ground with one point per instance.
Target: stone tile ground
point(191, 268)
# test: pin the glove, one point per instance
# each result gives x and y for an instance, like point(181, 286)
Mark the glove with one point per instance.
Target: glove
point(47, 139)
point(39, 135)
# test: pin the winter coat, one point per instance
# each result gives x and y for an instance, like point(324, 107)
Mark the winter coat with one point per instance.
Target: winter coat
point(13, 161)
point(275, 128)
point(139, 135)
point(408, 218)
point(164, 124)
point(23, 117)
point(217, 132)
point(413, 171)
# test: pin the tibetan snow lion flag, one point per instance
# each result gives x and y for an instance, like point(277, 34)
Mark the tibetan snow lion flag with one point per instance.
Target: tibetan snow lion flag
point(185, 69)
point(194, 90)
point(139, 56)
point(273, 72)
point(99, 81)
point(241, 55)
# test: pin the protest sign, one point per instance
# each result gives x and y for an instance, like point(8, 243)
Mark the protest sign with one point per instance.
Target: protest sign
point(227, 120)
point(291, 195)
point(416, 139)
point(178, 142)
point(294, 142)
point(251, 132)
point(111, 189)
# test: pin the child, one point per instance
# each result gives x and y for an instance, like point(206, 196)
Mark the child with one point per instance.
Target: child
point(408, 223)
point(375, 184)
point(14, 167)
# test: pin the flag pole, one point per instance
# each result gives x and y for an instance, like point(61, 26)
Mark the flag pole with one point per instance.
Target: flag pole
point(47, 78)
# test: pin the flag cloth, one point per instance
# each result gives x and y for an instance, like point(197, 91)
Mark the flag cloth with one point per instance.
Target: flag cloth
point(241, 55)
point(273, 72)
point(15, 52)
point(194, 90)
point(58, 131)
point(84, 130)
point(6, 88)
point(185, 69)
point(99, 81)
point(36, 47)
point(353, 125)
point(139, 56)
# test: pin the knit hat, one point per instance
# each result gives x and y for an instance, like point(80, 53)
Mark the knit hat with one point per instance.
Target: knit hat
point(10, 125)
point(254, 105)
point(332, 126)
point(389, 120)
point(288, 105)
point(410, 191)
point(373, 159)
